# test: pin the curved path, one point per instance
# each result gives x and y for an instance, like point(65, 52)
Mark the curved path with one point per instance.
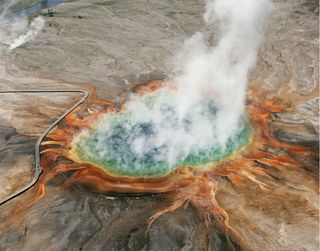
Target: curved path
point(38, 168)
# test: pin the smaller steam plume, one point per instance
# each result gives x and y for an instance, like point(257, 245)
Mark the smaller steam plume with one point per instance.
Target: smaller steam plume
point(16, 30)
point(33, 30)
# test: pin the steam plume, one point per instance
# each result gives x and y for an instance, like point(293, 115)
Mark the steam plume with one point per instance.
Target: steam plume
point(34, 28)
point(16, 29)
point(171, 126)
point(220, 72)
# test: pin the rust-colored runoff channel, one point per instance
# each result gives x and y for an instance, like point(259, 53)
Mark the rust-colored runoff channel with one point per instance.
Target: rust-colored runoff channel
point(38, 168)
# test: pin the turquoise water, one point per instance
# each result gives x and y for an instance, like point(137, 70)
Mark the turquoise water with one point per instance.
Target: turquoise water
point(112, 143)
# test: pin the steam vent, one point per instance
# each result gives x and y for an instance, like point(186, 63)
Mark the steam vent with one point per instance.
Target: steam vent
point(159, 125)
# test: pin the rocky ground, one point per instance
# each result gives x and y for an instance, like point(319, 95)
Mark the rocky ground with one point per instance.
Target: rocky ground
point(115, 45)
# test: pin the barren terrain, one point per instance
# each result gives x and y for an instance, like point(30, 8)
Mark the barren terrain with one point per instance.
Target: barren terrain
point(113, 46)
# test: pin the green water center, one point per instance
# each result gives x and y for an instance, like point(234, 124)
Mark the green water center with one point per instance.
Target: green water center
point(150, 138)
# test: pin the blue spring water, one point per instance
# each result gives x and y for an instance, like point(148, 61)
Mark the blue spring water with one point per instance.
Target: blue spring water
point(109, 144)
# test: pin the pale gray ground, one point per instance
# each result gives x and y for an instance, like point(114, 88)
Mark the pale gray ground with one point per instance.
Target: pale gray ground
point(117, 45)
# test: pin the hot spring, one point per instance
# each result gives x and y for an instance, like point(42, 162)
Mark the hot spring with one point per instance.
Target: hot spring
point(149, 138)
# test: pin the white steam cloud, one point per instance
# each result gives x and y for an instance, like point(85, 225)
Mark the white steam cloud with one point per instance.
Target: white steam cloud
point(220, 72)
point(34, 28)
point(177, 124)
point(15, 30)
